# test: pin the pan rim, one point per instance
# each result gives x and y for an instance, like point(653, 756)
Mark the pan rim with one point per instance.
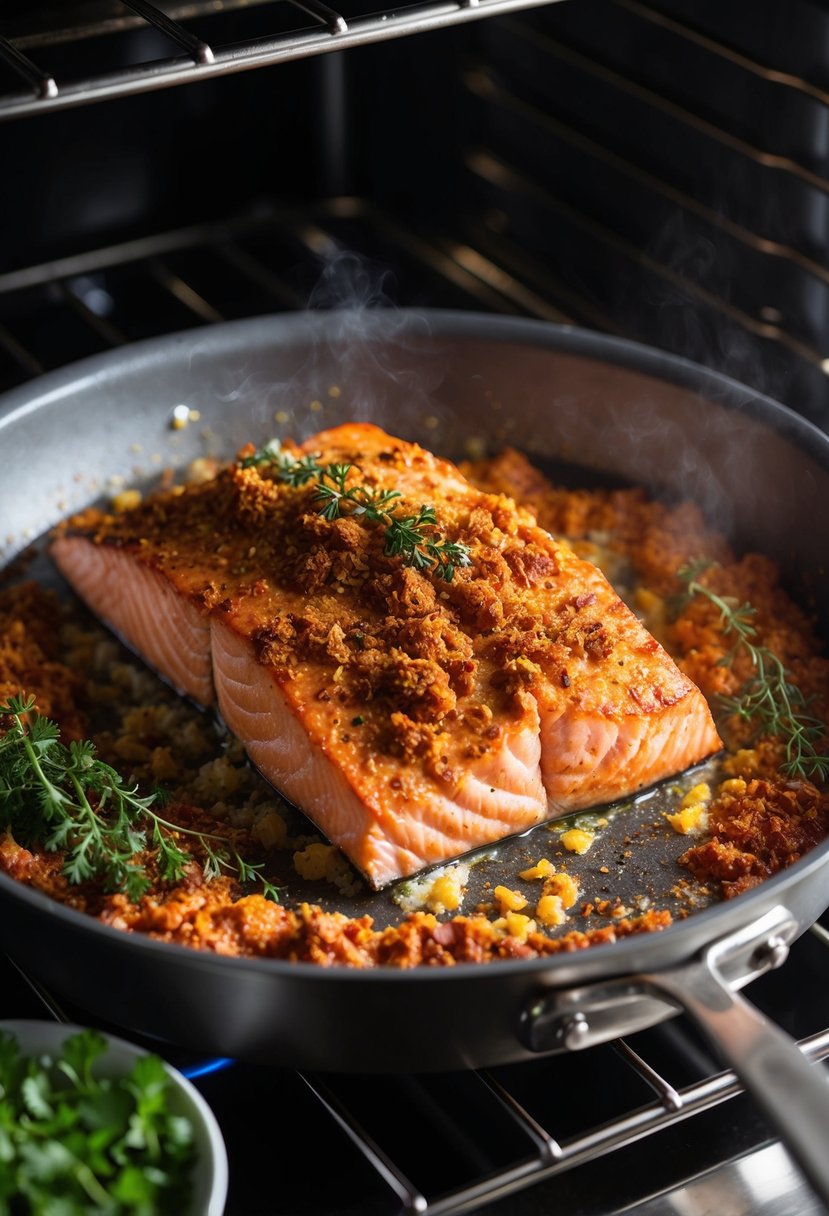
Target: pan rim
point(663, 366)
point(459, 325)
point(740, 912)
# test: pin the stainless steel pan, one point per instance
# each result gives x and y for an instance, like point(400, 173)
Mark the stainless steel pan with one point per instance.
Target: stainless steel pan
point(448, 380)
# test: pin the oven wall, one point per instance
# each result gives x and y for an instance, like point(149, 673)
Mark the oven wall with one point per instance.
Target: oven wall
point(667, 163)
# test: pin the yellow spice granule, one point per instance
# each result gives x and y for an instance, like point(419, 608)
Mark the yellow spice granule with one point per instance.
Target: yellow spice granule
point(509, 901)
point(446, 894)
point(692, 815)
point(202, 469)
point(741, 763)
point(131, 749)
point(314, 861)
point(564, 887)
point(698, 793)
point(163, 766)
point(550, 911)
point(325, 861)
point(271, 830)
point(735, 786)
point(576, 840)
point(542, 869)
point(514, 924)
point(688, 821)
point(125, 501)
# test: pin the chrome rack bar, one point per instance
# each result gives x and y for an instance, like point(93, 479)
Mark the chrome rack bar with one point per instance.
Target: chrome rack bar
point(408, 1194)
point(553, 1157)
point(334, 23)
point(183, 292)
point(820, 933)
point(19, 354)
point(105, 330)
point(258, 52)
point(52, 1007)
point(252, 269)
point(665, 1091)
point(125, 252)
point(201, 52)
point(548, 1148)
point(44, 84)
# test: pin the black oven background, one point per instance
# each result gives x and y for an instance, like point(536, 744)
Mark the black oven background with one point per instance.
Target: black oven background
point(652, 170)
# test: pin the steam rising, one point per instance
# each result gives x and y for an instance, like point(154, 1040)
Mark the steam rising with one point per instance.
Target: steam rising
point(368, 362)
point(695, 308)
point(353, 356)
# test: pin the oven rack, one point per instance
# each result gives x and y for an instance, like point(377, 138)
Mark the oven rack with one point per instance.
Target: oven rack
point(549, 1156)
point(181, 49)
point(536, 1157)
point(598, 194)
point(689, 212)
point(268, 260)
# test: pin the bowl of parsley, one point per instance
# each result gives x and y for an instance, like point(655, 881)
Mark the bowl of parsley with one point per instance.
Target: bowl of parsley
point(92, 1124)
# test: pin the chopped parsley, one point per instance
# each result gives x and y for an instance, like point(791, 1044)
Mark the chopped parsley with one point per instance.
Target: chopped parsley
point(73, 1142)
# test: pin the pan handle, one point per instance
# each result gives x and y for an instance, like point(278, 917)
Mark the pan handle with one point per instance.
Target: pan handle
point(793, 1093)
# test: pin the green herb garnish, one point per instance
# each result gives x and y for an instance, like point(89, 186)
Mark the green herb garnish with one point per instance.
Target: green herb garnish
point(409, 537)
point(768, 698)
point(72, 1143)
point(65, 798)
point(294, 472)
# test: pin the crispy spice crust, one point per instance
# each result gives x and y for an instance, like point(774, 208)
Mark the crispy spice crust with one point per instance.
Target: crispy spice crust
point(781, 626)
point(655, 540)
point(409, 655)
point(758, 832)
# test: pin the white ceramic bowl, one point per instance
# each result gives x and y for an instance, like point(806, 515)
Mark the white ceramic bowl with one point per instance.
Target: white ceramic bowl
point(210, 1170)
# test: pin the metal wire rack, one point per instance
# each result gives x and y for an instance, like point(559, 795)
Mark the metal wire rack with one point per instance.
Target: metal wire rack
point(182, 49)
point(738, 282)
point(58, 311)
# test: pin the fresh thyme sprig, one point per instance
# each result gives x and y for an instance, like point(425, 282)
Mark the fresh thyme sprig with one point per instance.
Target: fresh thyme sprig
point(768, 698)
point(408, 537)
point(294, 472)
point(65, 798)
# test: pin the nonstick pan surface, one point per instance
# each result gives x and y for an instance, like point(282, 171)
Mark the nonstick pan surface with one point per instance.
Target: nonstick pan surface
point(458, 384)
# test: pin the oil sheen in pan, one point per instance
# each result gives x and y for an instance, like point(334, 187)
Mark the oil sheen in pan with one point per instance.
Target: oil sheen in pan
point(630, 867)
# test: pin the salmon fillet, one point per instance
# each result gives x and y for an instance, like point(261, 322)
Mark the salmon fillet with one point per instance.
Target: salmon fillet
point(411, 715)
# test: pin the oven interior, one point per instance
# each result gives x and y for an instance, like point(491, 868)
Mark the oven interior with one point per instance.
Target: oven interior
point(652, 170)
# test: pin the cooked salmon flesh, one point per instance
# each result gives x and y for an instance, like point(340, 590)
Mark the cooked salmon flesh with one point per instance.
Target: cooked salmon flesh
point(413, 662)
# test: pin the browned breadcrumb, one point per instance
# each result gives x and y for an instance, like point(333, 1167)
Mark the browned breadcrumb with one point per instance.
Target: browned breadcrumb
point(29, 650)
point(756, 833)
point(781, 626)
point(211, 916)
point(654, 537)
